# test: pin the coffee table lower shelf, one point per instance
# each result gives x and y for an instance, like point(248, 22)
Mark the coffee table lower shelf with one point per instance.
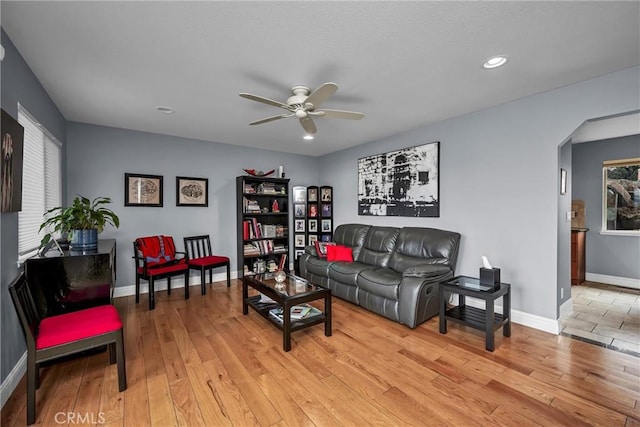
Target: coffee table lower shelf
point(296, 325)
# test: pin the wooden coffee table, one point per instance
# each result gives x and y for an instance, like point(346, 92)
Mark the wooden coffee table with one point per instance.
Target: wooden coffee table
point(294, 290)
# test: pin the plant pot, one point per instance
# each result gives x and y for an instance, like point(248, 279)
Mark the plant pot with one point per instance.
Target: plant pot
point(84, 239)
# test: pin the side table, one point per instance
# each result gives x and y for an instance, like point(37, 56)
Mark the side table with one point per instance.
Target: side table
point(485, 320)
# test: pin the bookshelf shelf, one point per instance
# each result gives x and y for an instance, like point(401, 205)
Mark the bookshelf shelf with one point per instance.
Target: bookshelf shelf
point(262, 224)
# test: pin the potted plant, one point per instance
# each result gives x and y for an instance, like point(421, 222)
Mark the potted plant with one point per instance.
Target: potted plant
point(81, 222)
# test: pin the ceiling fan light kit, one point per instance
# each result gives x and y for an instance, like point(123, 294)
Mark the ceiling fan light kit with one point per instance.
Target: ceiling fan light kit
point(303, 104)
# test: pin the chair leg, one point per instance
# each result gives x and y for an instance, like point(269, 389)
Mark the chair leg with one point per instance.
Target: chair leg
point(228, 276)
point(112, 353)
point(32, 375)
point(211, 275)
point(122, 369)
point(203, 287)
point(186, 284)
point(152, 294)
point(169, 285)
point(137, 289)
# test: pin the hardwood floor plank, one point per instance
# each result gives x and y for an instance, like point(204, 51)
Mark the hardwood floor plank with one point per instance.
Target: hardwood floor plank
point(201, 362)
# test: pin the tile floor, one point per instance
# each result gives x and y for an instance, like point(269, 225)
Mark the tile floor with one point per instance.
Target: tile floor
point(605, 315)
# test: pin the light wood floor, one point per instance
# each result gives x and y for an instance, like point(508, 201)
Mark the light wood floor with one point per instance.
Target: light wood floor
point(201, 362)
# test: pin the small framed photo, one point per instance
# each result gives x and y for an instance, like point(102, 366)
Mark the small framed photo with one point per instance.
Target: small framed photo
point(313, 226)
point(298, 252)
point(299, 241)
point(326, 225)
point(325, 238)
point(312, 194)
point(142, 190)
point(325, 194)
point(313, 239)
point(299, 223)
point(313, 210)
point(563, 181)
point(326, 209)
point(299, 194)
point(299, 211)
point(192, 191)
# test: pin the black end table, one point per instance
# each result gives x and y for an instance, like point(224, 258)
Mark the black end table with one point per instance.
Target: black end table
point(485, 320)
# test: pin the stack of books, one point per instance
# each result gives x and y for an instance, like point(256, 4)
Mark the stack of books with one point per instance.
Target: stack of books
point(298, 312)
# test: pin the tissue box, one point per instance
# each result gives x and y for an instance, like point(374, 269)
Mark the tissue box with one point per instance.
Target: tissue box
point(490, 276)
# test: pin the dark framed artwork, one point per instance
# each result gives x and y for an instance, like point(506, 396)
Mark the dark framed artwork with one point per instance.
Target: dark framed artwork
point(142, 190)
point(192, 191)
point(326, 209)
point(401, 183)
point(11, 166)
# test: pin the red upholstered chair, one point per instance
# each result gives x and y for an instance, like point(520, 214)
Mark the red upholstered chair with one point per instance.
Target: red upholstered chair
point(64, 334)
point(156, 258)
point(201, 258)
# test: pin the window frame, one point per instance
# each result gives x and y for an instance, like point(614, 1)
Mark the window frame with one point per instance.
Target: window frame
point(604, 214)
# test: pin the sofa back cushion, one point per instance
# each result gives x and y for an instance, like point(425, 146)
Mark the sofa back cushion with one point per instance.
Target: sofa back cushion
point(417, 245)
point(377, 246)
point(351, 235)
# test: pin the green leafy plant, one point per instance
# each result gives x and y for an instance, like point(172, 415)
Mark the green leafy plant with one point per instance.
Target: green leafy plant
point(83, 214)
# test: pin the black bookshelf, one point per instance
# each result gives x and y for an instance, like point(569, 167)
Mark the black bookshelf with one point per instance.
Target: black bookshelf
point(262, 224)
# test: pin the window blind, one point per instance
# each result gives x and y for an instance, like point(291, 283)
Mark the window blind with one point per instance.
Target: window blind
point(41, 181)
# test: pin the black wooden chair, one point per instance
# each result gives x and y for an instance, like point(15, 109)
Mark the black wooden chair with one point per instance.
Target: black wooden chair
point(201, 258)
point(57, 336)
point(156, 258)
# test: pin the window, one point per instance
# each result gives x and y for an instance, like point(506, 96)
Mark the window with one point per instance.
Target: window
point(41, 182)
point(621, 195)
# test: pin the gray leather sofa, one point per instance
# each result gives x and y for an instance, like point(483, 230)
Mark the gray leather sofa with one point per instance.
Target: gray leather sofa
point(395, 273)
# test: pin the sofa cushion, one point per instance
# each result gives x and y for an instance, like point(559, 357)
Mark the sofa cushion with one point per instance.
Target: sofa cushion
point(347, 272)
point(417, 245)
point(351, 235)
point(318, 266)
point(378, 245)
point(339, 253)
point(380, 281)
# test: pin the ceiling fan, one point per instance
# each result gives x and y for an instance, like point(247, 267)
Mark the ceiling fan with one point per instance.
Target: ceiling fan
point(304, 106)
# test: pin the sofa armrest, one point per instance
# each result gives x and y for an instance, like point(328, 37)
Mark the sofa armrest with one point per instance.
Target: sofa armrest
point(426, 270)
point(418, 296)
point(310, 250)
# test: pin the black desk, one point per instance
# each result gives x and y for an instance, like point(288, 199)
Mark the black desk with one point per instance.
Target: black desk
point(485, 320)
point(74, 280)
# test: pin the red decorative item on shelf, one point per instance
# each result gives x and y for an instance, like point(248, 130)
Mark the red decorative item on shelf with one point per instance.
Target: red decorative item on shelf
point(254, 172)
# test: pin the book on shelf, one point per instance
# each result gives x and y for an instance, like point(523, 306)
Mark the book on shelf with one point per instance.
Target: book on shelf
point(283, 261)
point(298, 312)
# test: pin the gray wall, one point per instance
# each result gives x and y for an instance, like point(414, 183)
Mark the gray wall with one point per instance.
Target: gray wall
point(499, 181)
point(564, 232)
point(606, 254)
point(18, 84)
point(98, 158)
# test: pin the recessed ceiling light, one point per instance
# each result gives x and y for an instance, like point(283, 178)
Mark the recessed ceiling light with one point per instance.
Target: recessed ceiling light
point(495, 62)
point(165, 110)
point(308, 137)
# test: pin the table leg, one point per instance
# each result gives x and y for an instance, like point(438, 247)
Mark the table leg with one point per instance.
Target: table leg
point(443, 308)
point(490, 342)
point(245, 295)
point(327, 313)
point(506, 312)
point(286, 327)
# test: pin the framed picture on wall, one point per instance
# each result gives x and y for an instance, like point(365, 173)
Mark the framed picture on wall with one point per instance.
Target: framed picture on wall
point(313, 226)
point(192, 191)
point(326, 225)
point(142, 190)
point(299, 223)
point(299, 241)
point(11, 167)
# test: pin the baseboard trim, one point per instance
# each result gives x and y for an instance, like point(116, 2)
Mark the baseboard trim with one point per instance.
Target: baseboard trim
point(625, 282)
point(544, 324)
point(11, 382)
point(176, 283)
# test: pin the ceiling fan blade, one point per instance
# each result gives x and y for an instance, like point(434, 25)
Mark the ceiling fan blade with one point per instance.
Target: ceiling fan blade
point(308, 125)
point(320, 95)
point(270, 119)
point(338, 114)
point(264, 100)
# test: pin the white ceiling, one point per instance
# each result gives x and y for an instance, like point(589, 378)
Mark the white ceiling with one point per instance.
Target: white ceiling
point(403, 64)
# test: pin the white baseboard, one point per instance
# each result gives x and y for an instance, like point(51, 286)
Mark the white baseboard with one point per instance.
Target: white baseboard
point(520, 317)
point(625, 282)
point(176, 283)
point(11, 382)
